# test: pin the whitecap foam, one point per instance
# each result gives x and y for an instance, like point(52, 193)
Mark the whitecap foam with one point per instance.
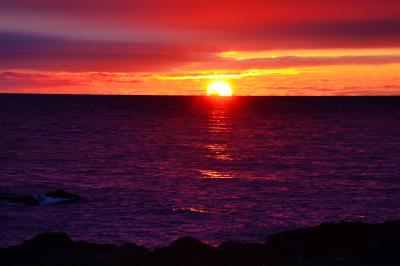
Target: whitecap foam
point(43, 200)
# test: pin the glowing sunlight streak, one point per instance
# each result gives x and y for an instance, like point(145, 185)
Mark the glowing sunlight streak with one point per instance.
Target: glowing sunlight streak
point(226, 75)
point(244, 55)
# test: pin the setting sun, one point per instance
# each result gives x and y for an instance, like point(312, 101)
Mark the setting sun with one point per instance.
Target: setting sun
point(219, 88)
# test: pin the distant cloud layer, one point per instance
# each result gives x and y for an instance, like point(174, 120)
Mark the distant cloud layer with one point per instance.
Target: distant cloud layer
point(166, 36)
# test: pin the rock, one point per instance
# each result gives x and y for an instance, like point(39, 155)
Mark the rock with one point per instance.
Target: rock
point(345, 244)
point(48, 240)
point(188, 251)
point(11, 198)
point(53, 197)
point(236, 253)
point(62, 194)
point(58, 249)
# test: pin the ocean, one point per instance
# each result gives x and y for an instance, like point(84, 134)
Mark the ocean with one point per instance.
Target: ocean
point(155, 168)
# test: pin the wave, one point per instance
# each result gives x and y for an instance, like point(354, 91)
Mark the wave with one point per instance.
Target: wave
point(53, 197)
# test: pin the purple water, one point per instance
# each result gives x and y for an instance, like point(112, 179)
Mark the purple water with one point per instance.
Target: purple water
point(153, 169)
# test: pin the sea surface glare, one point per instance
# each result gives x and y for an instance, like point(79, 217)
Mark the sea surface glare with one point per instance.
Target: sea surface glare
point(153, 169)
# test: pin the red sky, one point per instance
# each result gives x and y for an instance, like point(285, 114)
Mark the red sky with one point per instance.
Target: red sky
point(178, 47)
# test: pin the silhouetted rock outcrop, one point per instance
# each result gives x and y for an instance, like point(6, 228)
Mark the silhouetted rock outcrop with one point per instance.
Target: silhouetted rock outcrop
point(237, 254)
point(345, 243)
point(188, 251)
point(12, 198)
point(52, 197)
point(62, 194)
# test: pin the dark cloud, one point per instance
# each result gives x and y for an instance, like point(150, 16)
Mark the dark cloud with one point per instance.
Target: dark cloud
point(250, 24)
point(316, 34)
point(20, 51)
point(14, 75)
point(15, 80)
point(120, 35)
point(23, 51)
point(25, 81)
point(304, 61)
point(220, 12)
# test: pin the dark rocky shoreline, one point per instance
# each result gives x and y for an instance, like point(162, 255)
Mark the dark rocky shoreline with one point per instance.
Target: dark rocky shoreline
point(344, 243)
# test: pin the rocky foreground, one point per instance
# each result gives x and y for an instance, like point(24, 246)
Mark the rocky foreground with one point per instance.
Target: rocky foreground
point(345, 243)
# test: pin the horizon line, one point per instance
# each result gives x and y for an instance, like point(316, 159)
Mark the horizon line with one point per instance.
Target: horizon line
point(187, 95)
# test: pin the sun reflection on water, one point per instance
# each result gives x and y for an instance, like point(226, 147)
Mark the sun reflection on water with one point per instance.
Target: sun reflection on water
point(218, 144)
point(218, 120)
point(219, 128)
point(219, 152)
point(215, 174)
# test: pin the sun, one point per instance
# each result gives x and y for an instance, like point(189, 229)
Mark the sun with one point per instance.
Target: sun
point(219, 88)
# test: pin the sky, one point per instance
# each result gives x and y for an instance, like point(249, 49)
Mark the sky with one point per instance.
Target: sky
point(171, 47)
